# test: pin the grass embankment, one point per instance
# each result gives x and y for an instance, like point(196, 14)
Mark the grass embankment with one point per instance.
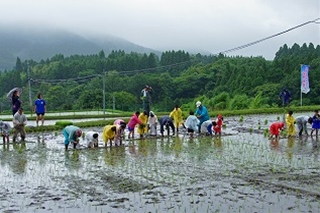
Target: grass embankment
point(125, 116)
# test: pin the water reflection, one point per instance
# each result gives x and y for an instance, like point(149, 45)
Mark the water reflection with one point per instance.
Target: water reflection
point(315, 147)
point(274, 144)
point(290, 144)
point(177, 146)
point(217, 142)
point(19, 160)
point(72, 161)
point(114, 155)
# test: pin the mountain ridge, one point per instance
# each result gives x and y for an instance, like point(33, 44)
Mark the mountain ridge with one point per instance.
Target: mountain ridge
point(41, 44)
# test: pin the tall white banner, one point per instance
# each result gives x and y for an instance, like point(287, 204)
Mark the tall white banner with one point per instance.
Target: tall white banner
point(305, 78)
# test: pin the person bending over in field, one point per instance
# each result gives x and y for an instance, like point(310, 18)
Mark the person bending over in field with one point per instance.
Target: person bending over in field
point(92, 139)
point(71, 134)
point(166, 122)
point(275, 129)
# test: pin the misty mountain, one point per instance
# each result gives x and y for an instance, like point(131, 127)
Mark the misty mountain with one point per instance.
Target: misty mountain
point(40, 44)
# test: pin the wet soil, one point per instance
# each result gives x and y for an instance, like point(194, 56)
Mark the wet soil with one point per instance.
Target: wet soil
point(241, 171)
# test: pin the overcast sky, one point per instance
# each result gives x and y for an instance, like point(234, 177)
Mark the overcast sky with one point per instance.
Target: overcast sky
point(202, 25)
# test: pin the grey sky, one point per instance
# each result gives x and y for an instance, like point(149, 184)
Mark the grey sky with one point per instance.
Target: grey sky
point(202, 25)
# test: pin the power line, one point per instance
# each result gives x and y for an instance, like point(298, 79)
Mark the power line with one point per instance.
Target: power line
point(81, 79)
point(269, 37)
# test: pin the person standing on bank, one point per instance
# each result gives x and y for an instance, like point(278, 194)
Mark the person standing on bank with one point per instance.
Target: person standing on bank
point(16, 102)
point(40, 109)
point(202, 114)
point(146, 98)
point(19, 123)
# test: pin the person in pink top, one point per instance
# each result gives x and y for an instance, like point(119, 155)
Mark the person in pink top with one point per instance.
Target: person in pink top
point(121, 125)
point(134, 120)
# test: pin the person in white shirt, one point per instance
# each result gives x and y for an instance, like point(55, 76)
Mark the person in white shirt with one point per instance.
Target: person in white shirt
point(152, 123)
point(301, 122)
point(19, 123)
point(92, 139)
point(192, 123)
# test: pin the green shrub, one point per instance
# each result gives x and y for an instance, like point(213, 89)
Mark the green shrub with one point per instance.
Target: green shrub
point(63, 123)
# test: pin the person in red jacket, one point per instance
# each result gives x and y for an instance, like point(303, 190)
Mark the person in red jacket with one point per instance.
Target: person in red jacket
point(275, 129)
point(217, 128)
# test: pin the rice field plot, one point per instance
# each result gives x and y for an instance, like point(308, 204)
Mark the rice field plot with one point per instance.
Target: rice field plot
point(237, 172)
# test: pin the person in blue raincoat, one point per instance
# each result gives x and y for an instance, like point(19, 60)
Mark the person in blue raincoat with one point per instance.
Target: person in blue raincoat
point(202, 114)
point(285, 97)
point(71, 134)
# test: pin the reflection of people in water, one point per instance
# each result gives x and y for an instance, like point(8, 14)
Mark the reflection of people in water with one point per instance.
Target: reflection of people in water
point(177, 146)
point(290, 145)
point(114, 155)
point(217, 141)
point(274, 144)
point(20, 159)
point(73, 161)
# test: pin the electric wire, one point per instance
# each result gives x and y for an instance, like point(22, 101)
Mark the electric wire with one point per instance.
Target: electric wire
point(87, 78)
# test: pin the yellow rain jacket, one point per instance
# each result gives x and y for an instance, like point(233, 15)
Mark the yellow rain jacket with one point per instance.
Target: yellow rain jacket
point(142, 129)
point(108, 134)
point(291, 129)
point(176, 115)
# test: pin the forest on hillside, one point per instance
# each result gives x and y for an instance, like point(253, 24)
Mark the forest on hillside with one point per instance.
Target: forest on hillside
point(79, 82)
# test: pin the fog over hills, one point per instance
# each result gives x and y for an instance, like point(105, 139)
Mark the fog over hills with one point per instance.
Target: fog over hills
point(38, 44)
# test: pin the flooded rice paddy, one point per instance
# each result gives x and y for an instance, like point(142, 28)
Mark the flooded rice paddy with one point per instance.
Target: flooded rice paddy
point(241, 171)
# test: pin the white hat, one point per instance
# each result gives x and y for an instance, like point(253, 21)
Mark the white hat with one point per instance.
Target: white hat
point(198, 103)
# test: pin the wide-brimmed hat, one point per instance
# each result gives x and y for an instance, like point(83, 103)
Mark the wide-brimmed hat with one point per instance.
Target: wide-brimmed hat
point(198, 103)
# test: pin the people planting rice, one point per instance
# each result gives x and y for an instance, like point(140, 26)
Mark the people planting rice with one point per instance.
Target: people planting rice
point(290, 121)
point(108, 134)
point(275, 129)
point(315, 122)
point(152, 123)
point(191, 123)
point(176, 116)
point(202, 114)
point(143, 127)
point(166, 122)
point(92, 139)
point(72, 135)
point(134, 120)
point(121, 126)
point(301, 122)
point(207, 127)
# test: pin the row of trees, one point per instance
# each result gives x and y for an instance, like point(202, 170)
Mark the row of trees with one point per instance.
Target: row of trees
point(220, 82)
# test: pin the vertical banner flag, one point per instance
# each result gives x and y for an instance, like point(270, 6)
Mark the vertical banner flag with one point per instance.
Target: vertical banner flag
point(304, 79)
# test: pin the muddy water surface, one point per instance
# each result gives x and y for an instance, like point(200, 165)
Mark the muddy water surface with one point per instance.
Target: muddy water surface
point(241, 171)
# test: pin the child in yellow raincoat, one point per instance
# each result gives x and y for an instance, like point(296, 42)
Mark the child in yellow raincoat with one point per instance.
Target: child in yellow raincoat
point(143, 128)
point(176, 115)
point(109, 131)
point(290, 121)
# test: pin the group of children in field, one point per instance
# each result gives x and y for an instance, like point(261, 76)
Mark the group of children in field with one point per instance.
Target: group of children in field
point(147, 123)
point(291, 123)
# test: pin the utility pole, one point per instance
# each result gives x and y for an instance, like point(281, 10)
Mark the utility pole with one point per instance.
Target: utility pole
point(29, 84)
point(104, 92)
